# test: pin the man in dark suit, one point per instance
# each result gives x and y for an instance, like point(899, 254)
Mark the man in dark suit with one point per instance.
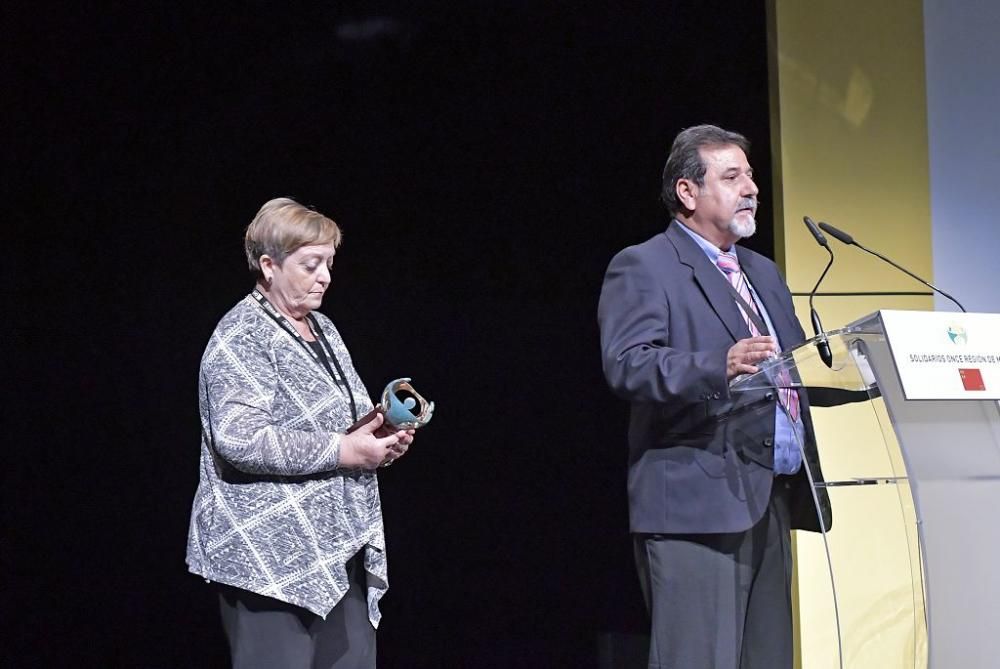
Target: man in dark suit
point(715, 479)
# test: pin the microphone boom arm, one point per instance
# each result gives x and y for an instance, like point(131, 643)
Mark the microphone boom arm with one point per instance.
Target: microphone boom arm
point(850, 241)
point(822, 346)
point(909, 273)
point(829, 264)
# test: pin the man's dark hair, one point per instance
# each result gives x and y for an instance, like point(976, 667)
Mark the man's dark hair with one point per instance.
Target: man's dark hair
point(685, 161)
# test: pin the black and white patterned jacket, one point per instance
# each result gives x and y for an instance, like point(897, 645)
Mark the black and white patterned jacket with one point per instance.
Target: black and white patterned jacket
point(273, 514)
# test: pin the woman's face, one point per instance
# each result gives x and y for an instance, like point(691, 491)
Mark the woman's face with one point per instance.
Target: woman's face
point(298, 284)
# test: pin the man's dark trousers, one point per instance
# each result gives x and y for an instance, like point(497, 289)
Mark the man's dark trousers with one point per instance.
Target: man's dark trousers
point(721, 601)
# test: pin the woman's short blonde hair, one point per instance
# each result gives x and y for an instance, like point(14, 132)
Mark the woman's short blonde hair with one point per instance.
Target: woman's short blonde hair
point(281, 227)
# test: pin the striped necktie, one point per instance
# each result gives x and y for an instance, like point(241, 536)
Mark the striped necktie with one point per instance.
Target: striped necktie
point(730, 266)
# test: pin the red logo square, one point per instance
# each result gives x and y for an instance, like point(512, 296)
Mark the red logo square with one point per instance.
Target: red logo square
point(972, 379)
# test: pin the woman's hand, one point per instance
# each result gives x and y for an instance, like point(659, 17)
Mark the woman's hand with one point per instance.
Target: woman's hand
point(369, 446)
point(399, 450)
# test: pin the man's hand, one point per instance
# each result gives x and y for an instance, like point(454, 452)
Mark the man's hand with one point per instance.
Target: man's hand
point(368, 446)
point(745, 354)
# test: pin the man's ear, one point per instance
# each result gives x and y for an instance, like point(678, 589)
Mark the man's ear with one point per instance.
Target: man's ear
point(687, 193)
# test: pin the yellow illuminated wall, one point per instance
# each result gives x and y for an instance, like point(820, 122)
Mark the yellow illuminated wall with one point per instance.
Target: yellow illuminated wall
point(849, 145)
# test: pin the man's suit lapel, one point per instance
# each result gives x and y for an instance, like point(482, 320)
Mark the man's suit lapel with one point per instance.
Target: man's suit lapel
point(769, 293)
point(710, 280)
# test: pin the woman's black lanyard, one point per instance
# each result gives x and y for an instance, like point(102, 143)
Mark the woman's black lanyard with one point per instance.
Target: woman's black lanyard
point(316, 354)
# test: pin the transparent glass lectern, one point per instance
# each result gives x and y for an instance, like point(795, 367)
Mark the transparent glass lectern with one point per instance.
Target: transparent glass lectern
point(911, 561)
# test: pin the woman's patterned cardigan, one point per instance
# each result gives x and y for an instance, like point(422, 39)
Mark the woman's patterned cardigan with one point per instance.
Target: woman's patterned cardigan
point(273, 514)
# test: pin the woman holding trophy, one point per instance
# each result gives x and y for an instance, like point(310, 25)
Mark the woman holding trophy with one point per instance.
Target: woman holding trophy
point(287, 520)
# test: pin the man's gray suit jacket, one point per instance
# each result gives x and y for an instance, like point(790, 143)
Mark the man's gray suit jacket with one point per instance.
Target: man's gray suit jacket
point(700, 460)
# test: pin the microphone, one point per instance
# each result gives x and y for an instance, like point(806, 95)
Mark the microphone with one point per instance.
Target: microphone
point(842, 236)
point(823, 346)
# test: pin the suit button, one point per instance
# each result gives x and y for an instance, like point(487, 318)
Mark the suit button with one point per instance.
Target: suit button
point(769, 442)
point(769, 397)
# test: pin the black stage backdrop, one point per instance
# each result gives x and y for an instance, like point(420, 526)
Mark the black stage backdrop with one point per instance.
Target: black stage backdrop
point(485, 160)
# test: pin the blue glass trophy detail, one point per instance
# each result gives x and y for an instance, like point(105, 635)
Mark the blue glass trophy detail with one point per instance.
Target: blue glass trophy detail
point(403, 407)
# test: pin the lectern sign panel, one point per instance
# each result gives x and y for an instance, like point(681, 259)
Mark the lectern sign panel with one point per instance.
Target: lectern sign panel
point(945, 355)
